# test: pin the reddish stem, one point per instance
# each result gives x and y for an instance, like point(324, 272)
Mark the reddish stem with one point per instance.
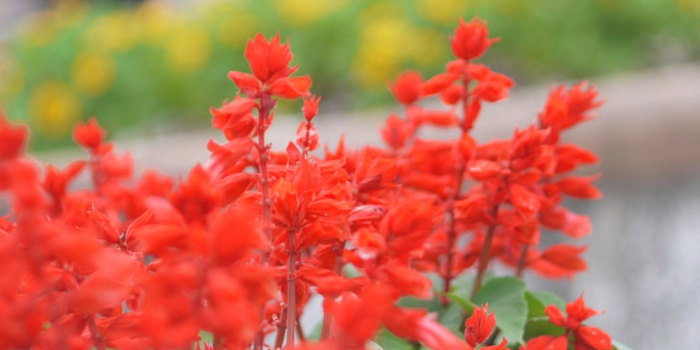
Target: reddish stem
point(337, 268)
point(485, 255)
point(522, 261)
point(96, 338)
point(291, 289)
point(300, 331)
point(452, 234)
point(264, 108)
point(281, 329)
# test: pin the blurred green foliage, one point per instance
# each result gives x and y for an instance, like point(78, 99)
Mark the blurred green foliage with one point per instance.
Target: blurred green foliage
point(143, 64)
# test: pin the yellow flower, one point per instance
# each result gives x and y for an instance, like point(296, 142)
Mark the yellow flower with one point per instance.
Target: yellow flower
point(236, 28)
point(443, 11)
point(188, 50)
point(154, 20)
point(11, 80)
point(382, 41)
point(427, 47)
point(689, 6)
point(93, 73)
point(305, 12)
point(53, 109)
point(115, 31)
point(69, 13)
point(39, 30)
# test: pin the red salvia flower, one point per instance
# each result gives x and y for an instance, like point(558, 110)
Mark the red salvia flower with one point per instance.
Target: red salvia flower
point(479, 325)
point(585, 337)
point(471, 40)
point(89, 135)
point(407, 88)
point(269, 60)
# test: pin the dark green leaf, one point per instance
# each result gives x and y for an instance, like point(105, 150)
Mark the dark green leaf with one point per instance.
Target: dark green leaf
point(466, 305)
point(540, 326)
point(432, 305)
point(316, 332)
point(548, 298)
point(389, 341)
point(506, 298)
point(437, 280)
point(453, 318)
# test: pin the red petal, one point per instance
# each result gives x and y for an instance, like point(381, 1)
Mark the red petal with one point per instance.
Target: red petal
point(407, 87)
point(580, 187)
point(89, 135)
point(482, 169)
point(594, 337)
point(291, 87)
point(548, 342)
point(437, 84)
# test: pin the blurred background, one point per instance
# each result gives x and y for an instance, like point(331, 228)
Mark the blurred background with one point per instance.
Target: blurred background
point(150, 70)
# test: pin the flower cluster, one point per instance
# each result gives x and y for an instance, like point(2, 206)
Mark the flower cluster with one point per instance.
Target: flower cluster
point(235, 249)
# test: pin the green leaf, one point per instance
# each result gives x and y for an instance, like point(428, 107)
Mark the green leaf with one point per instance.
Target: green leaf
point(466, 305)
point(453, 318)
point(538, 326)
point(538, 300)
point(620, 346)
point(316, 332)
point(432, 305)
point(535, 307)
point(389, 341)
point(438, 282)
point(548, 298)
point(206, 336)
point(506, 298)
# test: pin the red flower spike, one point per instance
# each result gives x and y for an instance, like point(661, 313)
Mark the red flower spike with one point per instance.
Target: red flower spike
point(592, 338)
point(13, 137)
point(269, 60)
point(494, 87)
point(407, 281)
point(565, 109)
point(482, 169)
point(471, 40)
point(525, 202)
point(412, 324)
point(235, 118)
point(479, 325)
point(310, 108)
point(585, 337)
point(437, 84)
point(396, 131)
point(422, 116)
point(307, 136)
point(452, 94)
point(579, 187)
point(407, 88)
point(547, 342)
point(559, 261)
point(229, 246)
point(471, 112)
point(89, 135)
point(293, 154)
point(578, 312)
point(555, 315)
point(291, 87)
point(247, 83)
